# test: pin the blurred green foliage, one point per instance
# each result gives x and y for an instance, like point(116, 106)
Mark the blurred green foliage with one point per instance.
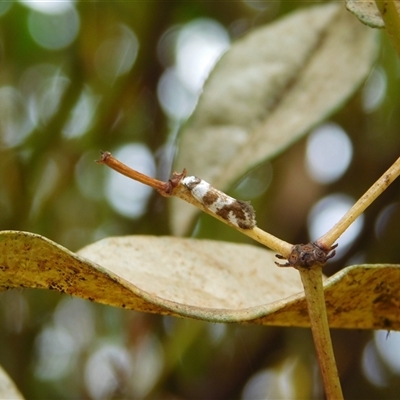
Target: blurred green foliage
point(58, 347)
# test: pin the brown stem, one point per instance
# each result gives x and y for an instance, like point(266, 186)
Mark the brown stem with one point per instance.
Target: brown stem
point(314, 291)
point(110, 161)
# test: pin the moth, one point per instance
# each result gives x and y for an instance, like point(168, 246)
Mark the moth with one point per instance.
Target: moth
point(237, 212)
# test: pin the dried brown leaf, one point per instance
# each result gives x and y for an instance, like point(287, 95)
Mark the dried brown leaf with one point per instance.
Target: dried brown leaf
point(202, 279)
point(357, 297)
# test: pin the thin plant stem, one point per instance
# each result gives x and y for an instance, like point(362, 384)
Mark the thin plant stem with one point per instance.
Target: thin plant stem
point(174, 187)
point(314, 292)
point(359, 207)
point(313, 285)
point(116, 165)
point(268, 240)
point(311, 276)
point(257, 234)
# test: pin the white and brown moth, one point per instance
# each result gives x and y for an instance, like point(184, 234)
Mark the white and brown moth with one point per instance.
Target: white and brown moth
point(237, 212)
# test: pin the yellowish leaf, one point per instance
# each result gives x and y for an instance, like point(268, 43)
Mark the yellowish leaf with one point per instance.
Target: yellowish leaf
point(202, 279)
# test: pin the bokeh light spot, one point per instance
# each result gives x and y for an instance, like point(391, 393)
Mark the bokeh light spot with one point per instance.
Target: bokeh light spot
point(260, 385)
point(384, 218)
point(329, 153)
point(374, 90)
point(166, 46)
point(54, 31)
point(105, 371)
point(199, 45)
point(15, 124)
point(272, 383)
point(175, 99)
point(48, 6)
point(372, 366)
point(60, 341)
point(117, 54)
point(326, 213)
point(43, 85)
point(148, 362)
point(72, 312)
point(388, 347)
point(55, 348)
point(82, 114)
point(217, 332)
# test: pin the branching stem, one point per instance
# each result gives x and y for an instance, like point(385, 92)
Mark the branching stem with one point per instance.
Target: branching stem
point(308, 259)
point(174, 187)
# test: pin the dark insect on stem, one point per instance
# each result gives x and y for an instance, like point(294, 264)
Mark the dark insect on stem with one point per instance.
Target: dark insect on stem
point(307, 255)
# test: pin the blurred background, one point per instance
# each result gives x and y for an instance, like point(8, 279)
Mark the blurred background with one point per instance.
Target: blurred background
point(79, 77)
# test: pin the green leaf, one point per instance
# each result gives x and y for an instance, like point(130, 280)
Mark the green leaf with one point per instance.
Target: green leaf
point(202, 279)
point(270, 88)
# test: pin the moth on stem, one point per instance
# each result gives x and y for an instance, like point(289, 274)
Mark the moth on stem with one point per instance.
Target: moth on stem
point(308, 259)
point(236, 213)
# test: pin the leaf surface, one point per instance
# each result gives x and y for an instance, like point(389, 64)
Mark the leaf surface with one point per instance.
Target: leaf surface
point(8, 389)
point(367, 12)
point(202, 279)
point(271, 87)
